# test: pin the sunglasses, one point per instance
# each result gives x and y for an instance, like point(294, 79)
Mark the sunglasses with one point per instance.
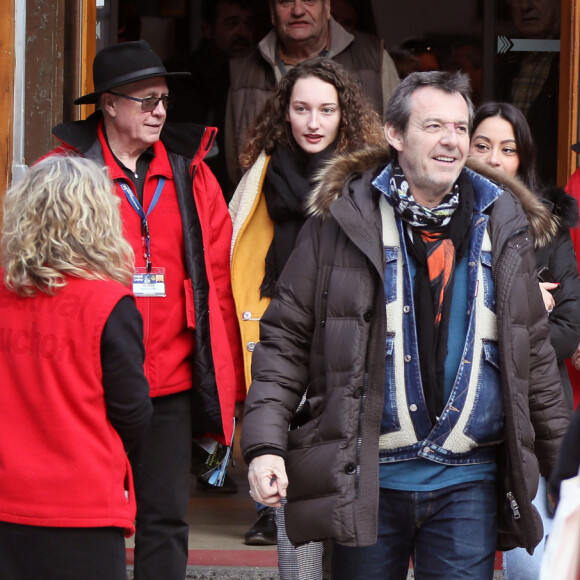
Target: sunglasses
point(148, 104)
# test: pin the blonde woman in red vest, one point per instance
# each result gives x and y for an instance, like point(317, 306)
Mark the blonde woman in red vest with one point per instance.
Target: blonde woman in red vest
point(74, 398)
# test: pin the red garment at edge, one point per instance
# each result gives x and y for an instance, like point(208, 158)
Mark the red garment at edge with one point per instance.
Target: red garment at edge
point(62, 464)
point(168, 340)
point(573, 188)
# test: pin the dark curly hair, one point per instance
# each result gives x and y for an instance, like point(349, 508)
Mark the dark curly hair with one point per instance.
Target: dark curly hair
point(359, 125)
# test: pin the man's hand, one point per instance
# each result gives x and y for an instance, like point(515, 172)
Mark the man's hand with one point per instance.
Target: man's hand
point(268, 480)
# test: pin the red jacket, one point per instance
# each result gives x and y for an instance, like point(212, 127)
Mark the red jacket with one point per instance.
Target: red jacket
point(573, 188)
point(216, 358)
point(168, 338)
point(62, 464)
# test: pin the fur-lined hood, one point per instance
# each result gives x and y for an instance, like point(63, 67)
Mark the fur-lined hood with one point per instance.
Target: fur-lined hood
point(334, 177)
point(563, 206)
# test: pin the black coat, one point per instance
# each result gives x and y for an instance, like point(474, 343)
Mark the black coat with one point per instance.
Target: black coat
point(560, 258)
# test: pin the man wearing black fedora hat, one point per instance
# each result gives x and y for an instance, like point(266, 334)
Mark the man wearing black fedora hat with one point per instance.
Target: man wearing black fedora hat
point(177, 222)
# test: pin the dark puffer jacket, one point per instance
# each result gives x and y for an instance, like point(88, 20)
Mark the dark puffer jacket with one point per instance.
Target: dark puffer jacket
point(324, 334)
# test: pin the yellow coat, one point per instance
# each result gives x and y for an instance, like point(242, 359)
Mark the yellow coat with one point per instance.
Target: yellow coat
point(253, 231)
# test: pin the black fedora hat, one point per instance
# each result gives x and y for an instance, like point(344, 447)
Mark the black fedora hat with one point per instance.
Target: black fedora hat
point(124, 63)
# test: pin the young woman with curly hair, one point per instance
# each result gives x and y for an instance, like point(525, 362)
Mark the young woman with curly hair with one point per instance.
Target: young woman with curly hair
point(74, 398)
point(317, 112)
point(359, 124)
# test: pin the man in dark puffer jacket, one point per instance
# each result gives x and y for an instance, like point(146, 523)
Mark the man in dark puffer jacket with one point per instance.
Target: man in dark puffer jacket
point(410, 319)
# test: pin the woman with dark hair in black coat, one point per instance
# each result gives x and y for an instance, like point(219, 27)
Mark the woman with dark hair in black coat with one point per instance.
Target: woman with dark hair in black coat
point(501, 137)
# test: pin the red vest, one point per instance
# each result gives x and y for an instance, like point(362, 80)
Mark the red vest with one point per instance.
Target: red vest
point(169, 342)
point(62, 463)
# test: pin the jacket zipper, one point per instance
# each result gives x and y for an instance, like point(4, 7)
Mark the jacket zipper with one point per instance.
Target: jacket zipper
point(514, 505)
point(359, 437)
point(510, 496)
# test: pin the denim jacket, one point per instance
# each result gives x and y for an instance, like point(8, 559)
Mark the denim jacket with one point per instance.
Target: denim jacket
point(471, 423)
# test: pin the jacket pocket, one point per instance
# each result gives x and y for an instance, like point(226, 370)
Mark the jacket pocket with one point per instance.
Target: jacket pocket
point(189, 304)
point(486, 420)
point(391, 255)
point(308, 410)
point(488, 287)
point(390, 420)
point(315, 470)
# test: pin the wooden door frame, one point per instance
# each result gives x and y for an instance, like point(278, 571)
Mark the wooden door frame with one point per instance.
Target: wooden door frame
point(569, 94)
point(85, 34)
point(87, 48)
point(7, 9)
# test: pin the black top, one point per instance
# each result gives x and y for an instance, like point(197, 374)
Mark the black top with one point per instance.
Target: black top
point(126, 389)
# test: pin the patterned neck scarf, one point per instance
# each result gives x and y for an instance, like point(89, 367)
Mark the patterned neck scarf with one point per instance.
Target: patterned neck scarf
point(416, 215)
point(437, 237)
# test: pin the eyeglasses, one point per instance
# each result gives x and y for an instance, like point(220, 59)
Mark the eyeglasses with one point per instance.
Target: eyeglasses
point(148, 104)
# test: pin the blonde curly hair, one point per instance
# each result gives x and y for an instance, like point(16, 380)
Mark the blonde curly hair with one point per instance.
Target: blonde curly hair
point(359, 125)
point(62, 219)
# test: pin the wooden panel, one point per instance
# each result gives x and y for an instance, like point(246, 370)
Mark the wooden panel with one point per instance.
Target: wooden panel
point(80, 43)
point(45, 53)
point(6, 91)
point(88, 47)
point(568, 104)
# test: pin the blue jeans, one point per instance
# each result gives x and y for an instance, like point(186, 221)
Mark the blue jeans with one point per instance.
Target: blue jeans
point(449, 533)
point(517, 563)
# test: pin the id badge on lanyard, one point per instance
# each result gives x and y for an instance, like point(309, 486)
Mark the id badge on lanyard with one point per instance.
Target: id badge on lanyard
point(148, 282)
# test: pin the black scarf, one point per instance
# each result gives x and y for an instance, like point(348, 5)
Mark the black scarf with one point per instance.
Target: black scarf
point(433, 292)
point(287, 184)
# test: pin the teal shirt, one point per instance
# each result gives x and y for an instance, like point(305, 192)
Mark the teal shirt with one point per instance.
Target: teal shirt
point(420, 474)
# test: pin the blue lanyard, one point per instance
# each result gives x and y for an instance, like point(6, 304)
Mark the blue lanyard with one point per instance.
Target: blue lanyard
point(141, 212)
